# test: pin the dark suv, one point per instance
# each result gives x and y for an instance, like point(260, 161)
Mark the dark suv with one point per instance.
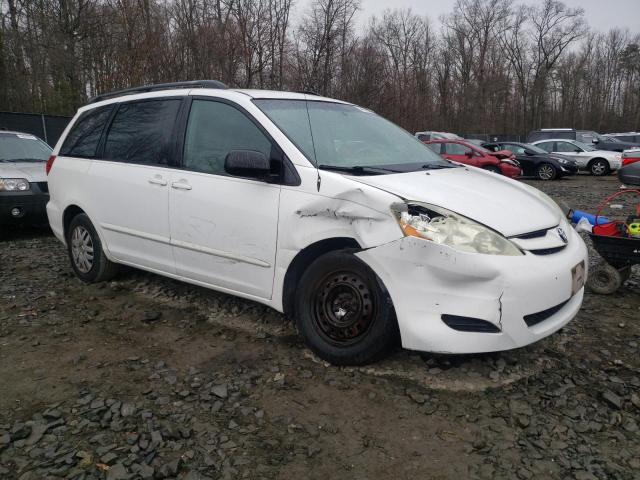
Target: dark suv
point(631, 137)
point(604, 142)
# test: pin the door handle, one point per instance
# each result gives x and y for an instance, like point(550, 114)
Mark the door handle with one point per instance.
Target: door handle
point(181, 186)
point(158, 181)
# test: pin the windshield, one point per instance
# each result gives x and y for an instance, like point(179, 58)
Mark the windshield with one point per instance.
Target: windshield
point(22, 147)
point(337, 135)
point(584, 146)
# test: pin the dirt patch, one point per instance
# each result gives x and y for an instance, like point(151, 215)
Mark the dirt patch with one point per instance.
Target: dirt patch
point(146, 377)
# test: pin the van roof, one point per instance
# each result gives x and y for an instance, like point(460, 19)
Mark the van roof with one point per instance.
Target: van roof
point(207, 86)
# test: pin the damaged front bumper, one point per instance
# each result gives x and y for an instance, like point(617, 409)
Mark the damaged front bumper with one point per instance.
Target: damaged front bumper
point(489, 302)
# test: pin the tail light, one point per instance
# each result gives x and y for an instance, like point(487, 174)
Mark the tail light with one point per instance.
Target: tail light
point(629, 160)
point(52, 159)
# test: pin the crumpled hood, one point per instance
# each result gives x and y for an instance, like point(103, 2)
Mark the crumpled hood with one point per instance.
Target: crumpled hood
point(33, 172)
point(505, 205)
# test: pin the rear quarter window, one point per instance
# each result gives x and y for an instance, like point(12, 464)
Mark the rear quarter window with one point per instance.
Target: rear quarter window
point(84, 136)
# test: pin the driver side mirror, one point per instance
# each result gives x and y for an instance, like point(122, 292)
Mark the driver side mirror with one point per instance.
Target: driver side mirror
point(248, 164)
point(595, 140)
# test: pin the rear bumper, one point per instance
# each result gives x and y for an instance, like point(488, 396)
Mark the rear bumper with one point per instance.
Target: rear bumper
point(23, 208)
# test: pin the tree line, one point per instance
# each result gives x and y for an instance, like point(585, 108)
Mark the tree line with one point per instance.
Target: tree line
point(489, 66)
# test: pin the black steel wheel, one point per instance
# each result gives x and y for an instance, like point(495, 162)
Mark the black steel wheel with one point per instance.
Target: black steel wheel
point(344, 308)
point(343, 311)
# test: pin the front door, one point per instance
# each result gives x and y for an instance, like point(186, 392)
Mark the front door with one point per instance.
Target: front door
point(223, 228)
point(460, 153)
point(576, 153)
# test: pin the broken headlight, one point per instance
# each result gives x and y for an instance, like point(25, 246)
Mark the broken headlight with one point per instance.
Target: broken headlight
point(444, 227)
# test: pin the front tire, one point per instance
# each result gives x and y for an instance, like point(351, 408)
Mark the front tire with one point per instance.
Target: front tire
point(599, 167)
point(343, 311)
point(88, 260)
point(546, 172)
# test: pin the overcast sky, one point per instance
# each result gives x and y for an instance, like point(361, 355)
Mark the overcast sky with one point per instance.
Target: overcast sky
point(601, 14)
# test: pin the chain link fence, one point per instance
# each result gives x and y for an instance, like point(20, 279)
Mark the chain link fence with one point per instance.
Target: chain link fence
point(47, 127)
point(487, 137)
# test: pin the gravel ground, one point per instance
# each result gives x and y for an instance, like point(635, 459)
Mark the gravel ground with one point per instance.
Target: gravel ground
point(145, 377)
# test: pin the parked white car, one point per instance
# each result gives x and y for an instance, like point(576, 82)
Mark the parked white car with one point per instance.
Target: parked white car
point(318, 208)
point(429, 135)
point(23, 181)
point(588, 157)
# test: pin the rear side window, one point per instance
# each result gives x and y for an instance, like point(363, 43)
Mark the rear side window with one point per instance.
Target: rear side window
point(548, 146)
point(628, 138)
point(214, 129)
point(141, 132)
point(84, 136)
point(565, 147)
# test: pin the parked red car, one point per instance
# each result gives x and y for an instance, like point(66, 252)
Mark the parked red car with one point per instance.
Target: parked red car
point(461, 151)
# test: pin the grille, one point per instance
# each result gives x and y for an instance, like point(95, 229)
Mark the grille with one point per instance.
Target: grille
point(536, 234)
point(469, 324)
point(535, 318)
point(548, 251)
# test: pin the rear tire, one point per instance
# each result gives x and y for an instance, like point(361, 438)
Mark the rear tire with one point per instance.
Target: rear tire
point(491, 168)
point(546, 172)
point(343, 311)
point(604, 279)
point(599, 167)
point(87, 257)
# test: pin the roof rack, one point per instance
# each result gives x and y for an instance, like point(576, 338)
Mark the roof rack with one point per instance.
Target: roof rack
point(159, 86)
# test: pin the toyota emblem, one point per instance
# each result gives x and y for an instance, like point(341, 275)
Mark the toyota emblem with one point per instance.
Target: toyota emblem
point(562, 235)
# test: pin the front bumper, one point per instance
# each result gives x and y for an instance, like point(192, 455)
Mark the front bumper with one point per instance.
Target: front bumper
point(426, 281)
point(30, 207)
point(569, 169)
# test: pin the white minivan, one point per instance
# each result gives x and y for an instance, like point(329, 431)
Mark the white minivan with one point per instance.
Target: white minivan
point(318, 208)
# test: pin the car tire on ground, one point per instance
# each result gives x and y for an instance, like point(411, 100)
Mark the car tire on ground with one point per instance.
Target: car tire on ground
point(599, 167)
point(343, 311)
point(604, 279)
point(491, 168)
point(87, 257)
point(546, 172)
point(625, 273)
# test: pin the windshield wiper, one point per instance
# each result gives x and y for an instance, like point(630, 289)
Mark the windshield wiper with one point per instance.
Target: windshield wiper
point(359, 169)
point(436, 166)
point(9, 160)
